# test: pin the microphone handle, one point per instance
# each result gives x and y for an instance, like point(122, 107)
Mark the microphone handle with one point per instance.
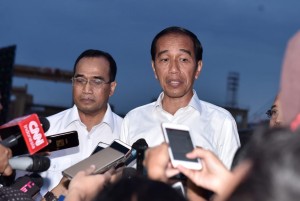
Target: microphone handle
point(21, 163)
point(10, 141)
point(139, 162)
point(27, 185)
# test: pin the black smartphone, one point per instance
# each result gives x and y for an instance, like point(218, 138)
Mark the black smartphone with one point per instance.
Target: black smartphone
point(132, 156)
point(99, 147)
point(61, 141)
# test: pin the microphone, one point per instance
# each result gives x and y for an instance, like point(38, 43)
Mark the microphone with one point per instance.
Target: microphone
point(45, 123)
point(13, 139)
point(129, 172)
point(29, 184)
point(26, 132)
point(140, 146)
point(34, 163)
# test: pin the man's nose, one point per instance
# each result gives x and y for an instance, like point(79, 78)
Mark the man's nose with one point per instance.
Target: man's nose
point(174, 66)
point(87, 87)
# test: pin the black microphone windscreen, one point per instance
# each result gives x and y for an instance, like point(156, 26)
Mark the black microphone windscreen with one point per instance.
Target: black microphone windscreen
point(40, 163)
point(37, 179)
point(29, 184)
point(12, 194)
point(45, 123)
point(140, 144)
point(129, 172)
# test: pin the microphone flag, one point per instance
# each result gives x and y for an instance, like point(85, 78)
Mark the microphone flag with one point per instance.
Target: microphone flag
point(31, 129)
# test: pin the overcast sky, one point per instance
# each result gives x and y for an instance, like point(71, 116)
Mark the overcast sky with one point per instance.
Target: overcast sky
point(244, 36)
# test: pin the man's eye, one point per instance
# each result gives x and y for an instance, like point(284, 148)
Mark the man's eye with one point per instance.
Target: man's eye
point(80, 80)
point(97, 81)
point(273, 112)
point(184, 59)
point(164, 60)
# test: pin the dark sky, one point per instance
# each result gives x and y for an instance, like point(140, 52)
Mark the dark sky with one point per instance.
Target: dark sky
point(248, 37)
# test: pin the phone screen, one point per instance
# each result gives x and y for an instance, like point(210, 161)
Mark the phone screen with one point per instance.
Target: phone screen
point(61, 141)
point(180, 143)
point(121, 148)
point(99, 147)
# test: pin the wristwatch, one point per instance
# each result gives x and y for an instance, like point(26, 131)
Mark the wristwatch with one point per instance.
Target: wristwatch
point(49, 196)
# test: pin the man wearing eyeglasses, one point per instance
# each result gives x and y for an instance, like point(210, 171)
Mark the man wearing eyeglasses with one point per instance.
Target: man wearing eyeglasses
point(275, 113)
point(93, 82)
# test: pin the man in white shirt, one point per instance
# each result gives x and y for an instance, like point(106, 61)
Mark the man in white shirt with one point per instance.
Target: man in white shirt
point(91, 116)
point(177, 63)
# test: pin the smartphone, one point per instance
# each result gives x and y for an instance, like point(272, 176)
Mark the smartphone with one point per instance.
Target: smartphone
point(99, 147)
point(61, 141)
point(180, 143)
point(121, 147)
point(104, 159)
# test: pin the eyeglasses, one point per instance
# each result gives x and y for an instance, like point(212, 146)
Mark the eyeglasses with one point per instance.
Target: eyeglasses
point(94, 82)
point(272, 113)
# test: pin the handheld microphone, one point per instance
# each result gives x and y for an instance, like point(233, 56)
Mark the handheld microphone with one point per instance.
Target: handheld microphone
point(34, 163)
point(129, 172)
point(27, 132)
point(140, 146)
point(29, 184)
point(12, 194)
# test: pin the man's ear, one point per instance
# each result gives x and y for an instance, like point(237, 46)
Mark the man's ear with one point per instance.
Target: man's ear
point(199, 68)
point(153, 68)
point(112, 88)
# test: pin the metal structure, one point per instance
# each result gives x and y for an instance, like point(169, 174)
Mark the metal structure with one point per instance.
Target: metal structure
point(7, 58)
point(42, 73)
point(232, 89)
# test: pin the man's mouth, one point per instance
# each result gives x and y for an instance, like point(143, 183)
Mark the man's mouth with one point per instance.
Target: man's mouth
point(174, 83)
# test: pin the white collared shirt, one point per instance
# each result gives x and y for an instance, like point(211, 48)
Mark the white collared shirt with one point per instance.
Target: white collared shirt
point(211, 127)
point(68, 120)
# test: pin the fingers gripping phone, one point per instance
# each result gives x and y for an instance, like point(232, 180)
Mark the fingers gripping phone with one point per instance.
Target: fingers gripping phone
point(180, 143)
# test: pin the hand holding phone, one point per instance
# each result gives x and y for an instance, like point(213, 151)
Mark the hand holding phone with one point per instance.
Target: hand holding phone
point(180, 143)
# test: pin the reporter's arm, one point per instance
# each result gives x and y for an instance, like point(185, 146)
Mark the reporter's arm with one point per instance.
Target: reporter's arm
point(85, 186)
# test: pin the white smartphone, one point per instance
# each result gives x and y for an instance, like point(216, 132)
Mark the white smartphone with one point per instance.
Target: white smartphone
point(180, 143)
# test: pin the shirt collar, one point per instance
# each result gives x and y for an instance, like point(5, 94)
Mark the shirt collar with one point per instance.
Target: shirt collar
point(74, 116)
point(194, 102)
point(158, 102)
